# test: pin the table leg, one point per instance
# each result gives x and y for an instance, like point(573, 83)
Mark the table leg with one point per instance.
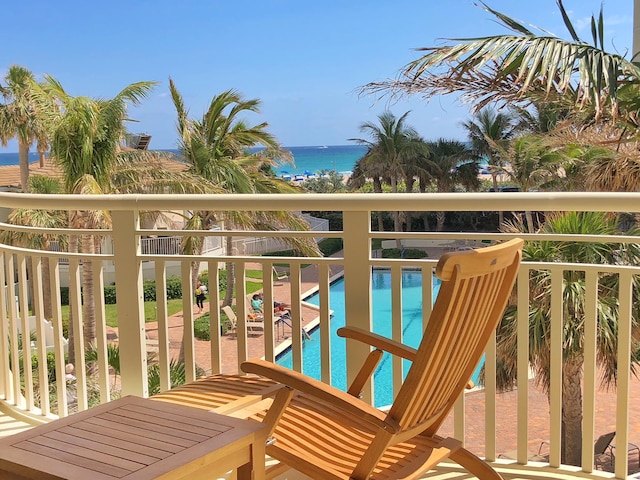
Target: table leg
point(255, 469)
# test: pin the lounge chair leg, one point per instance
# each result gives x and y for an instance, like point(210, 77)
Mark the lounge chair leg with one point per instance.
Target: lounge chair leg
point(475, 465)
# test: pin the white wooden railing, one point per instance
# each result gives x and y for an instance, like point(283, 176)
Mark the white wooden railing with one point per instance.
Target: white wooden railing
point(22, 272)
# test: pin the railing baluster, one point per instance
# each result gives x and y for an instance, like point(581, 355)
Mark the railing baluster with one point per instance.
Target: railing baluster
point(555, 396)
point(625, 315)
point(16, 397)
point(397, 325)
point(522, 286)
point(5, 333)
point(77, 325)
point(589, 395)
point(101, 331)
point(163, 325)
point(38, 311)
point(188, 345)
point(214, 317)
point(296, 316)
point(325, 319)
point(58, 338)
point(23, 294)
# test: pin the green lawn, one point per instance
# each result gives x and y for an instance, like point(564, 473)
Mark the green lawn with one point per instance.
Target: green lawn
point(173, 306)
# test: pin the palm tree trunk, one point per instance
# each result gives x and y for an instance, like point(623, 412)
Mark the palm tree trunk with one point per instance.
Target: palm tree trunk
point(529, 218)
point(88, 300)
point(23, 153)
point(46, 288)
point(231, 280)
point(439, 221)
point(377, 187)
point(41, 153)
point(572, 411)
point(73, 248)
point(396, 214)
point(494, 179)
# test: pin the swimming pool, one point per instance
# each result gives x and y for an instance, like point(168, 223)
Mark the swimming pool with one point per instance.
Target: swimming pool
point(412, 331)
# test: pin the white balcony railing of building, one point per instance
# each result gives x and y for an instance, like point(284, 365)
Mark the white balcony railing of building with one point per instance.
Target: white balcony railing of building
point(28, 274)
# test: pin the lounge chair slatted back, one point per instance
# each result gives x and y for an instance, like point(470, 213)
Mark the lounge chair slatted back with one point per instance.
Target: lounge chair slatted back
point(467, 311)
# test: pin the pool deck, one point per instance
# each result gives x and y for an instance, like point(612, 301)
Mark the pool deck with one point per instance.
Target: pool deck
point(475, 406)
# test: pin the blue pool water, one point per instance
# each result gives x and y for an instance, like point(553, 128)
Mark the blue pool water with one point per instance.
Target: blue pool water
point(412, 331)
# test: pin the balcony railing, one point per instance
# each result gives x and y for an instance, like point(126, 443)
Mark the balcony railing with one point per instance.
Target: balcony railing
point(26, 383)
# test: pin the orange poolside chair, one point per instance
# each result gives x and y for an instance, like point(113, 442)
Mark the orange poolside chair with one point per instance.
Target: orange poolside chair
point(326, 433)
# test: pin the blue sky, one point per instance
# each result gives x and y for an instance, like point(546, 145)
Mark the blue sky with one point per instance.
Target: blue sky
point(304, 60)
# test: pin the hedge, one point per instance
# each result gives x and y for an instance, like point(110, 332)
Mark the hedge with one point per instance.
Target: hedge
point(174, 289)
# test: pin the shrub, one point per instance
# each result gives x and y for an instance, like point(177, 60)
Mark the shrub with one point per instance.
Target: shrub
point(406, 253)
point(329, 246)
point(201, 327)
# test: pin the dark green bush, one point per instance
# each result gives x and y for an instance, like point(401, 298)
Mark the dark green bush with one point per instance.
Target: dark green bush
point(406, 253)
point(174, 290)
point(201, 327)
point(329, 246)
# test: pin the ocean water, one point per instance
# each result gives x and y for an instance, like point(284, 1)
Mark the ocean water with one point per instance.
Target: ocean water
point(308, 160)
point(13, 159)
point(311, 160)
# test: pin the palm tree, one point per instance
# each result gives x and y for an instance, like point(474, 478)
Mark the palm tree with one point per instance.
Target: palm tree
point(393, 145)
point(217, 148)
point(368, 167)
point(451, 163)
point(86, 147)
point(523, 68)
point(490, 127)
point(22, 117)
point(41, 219)
point(531, 162)
point(584, 223)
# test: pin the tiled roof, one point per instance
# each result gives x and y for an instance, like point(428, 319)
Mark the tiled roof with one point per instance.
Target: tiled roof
point(10, 174)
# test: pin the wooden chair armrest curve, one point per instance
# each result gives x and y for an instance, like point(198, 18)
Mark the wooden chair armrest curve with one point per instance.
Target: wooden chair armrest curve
point(378, 341)
point(312, 387)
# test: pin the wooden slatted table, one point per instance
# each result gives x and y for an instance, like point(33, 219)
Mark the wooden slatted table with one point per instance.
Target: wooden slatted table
point(133, 439)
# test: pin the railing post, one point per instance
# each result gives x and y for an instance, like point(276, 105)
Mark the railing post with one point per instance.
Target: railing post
point(357, 288)
point(130, 297)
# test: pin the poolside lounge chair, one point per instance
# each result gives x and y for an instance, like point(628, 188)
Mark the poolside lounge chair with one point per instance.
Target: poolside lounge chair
point(602, 449)
point(279, 276)
point(326, 433)
point(251, 323)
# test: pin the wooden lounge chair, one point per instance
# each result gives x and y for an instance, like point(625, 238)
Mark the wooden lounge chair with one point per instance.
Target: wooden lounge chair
point(251, 323)
point(326, 433)
point(279, 276)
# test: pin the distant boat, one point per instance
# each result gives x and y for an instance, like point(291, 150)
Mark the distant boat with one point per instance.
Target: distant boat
point(323, 146)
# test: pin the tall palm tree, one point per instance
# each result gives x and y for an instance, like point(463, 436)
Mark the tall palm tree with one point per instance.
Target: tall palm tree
point(531, 162)
point(216, 147)
point(574, 298)
point(21, 116)
point(451, 163)
point(393, 145)
point(365, 168)
point(487, 128)
point(86, 147)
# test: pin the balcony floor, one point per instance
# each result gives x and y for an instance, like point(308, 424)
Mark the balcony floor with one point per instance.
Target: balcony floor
point(10, 426)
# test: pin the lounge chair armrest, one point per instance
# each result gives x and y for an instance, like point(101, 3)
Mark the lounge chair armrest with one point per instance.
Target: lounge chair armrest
point(378, 341)
point(322, 391)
